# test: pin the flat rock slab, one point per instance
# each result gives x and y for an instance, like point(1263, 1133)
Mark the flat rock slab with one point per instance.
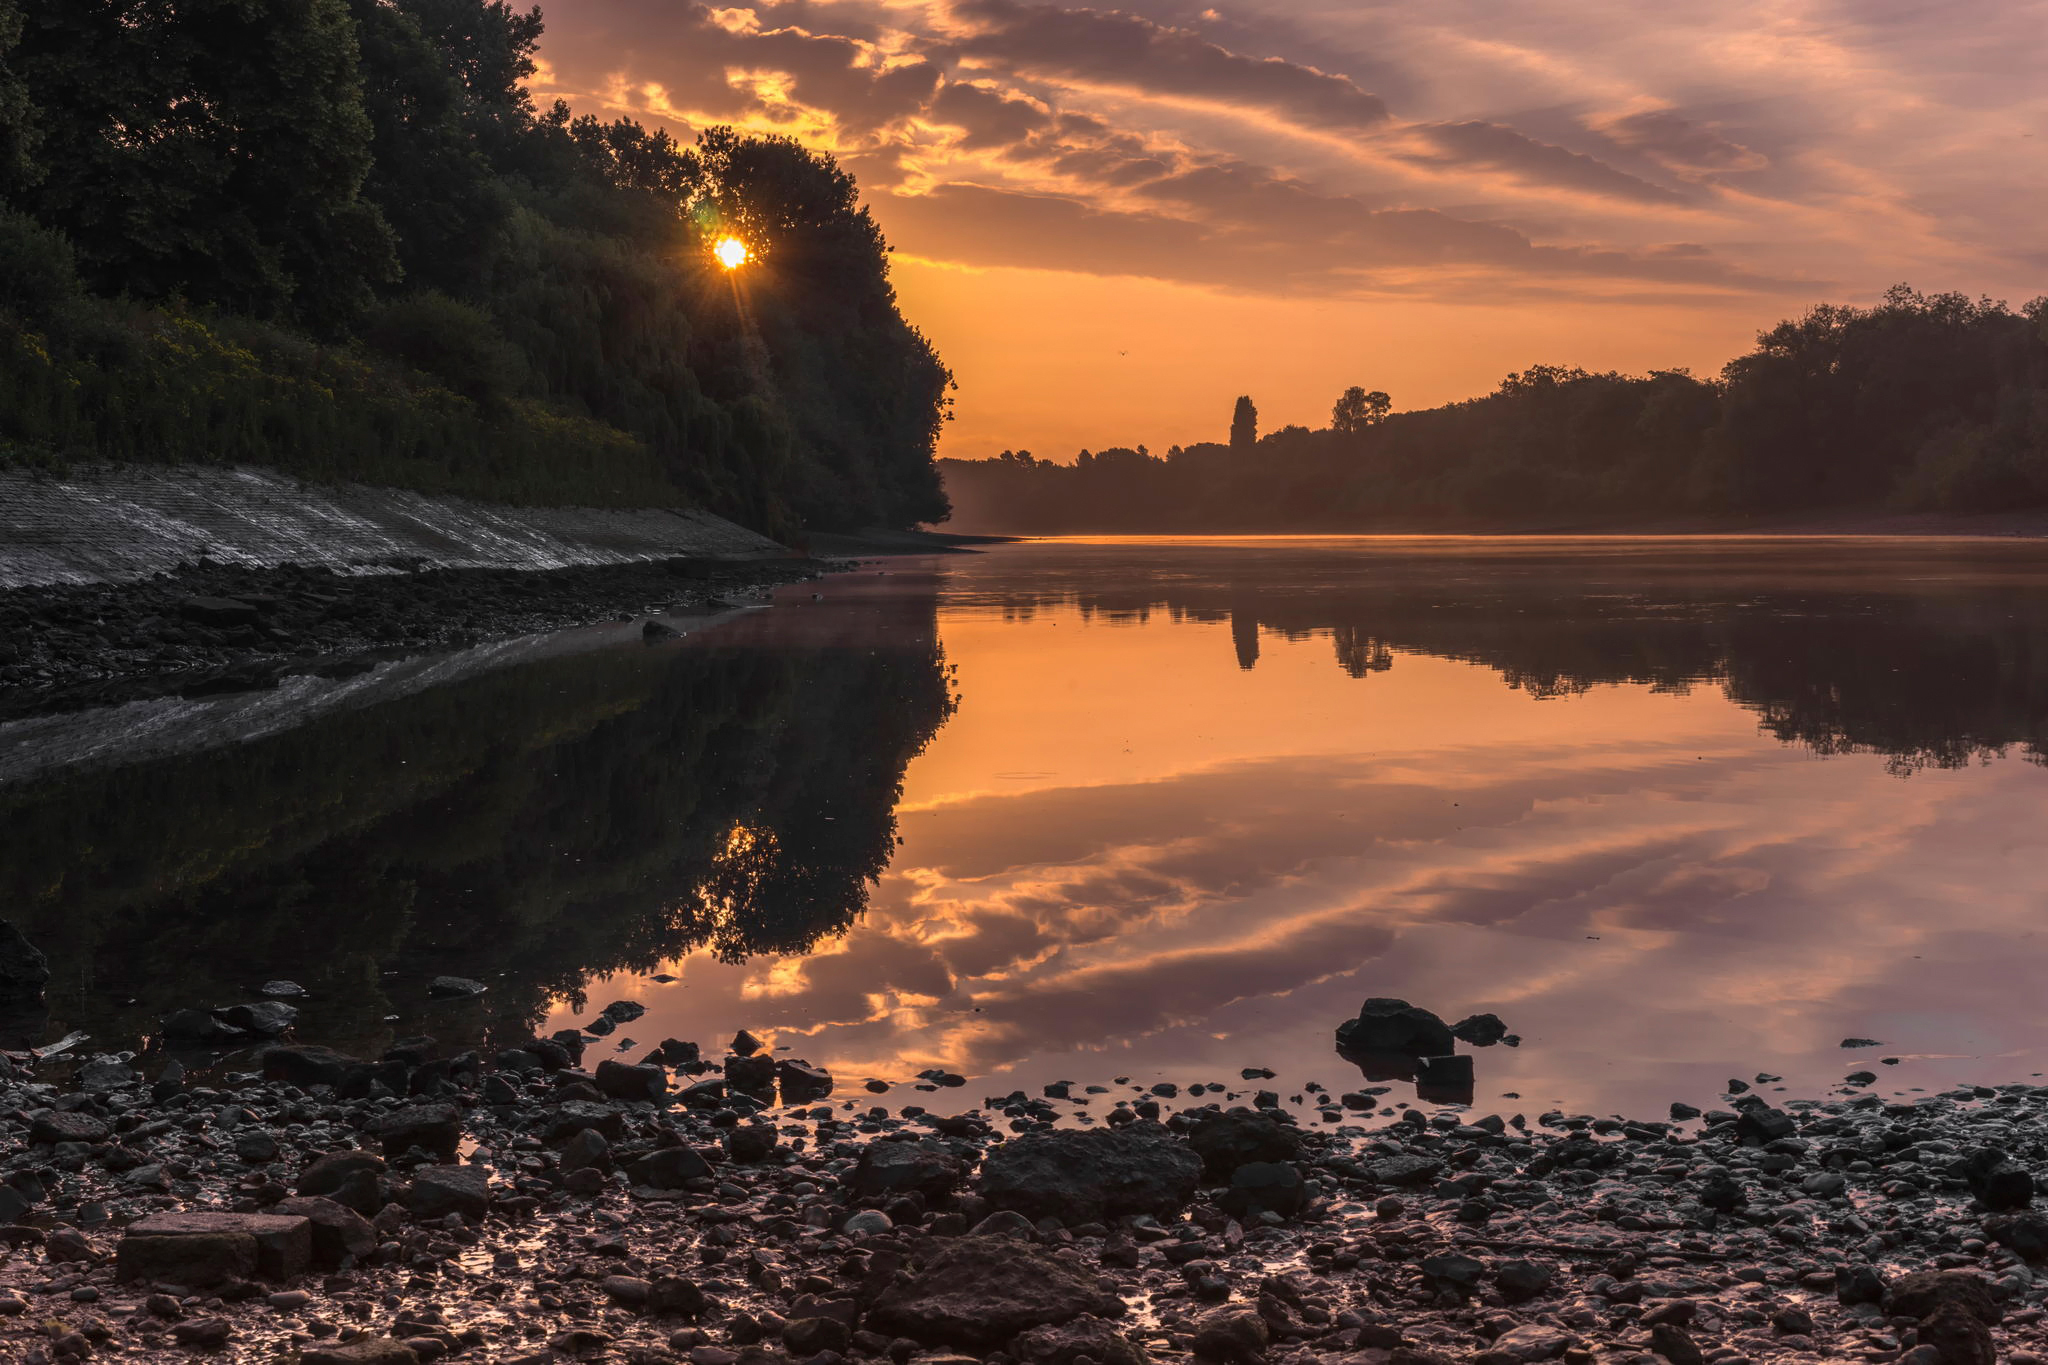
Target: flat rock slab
point(206, 1248)
point(979, 1292)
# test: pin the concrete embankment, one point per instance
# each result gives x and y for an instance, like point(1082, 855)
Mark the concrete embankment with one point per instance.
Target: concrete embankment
point(112, 524)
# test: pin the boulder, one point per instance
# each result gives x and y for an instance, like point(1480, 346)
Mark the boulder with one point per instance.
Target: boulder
point(1092, 1176)
point(1231, 1336)
point(753, 1073)
point(1087, 1335)
point(1480, 1030)
point(1385, 1025)
point(1520, 1281)
point(1917, 1295)
point(2023, 1234)
point(1958, 1336)
point(338, 1233)
point(204, 1248)
point(888, 1169)
point(806, 1337)
point(435, 1128)
point(668, 1168)
point(801, 1082)
point(305, 1067)
point(437, 1191)
point(54, 1126)
point(624, 1081)
point(361, 1351)
point(1264, 1187)
point(1228, 1140)
point(623, 1011)
point(326, 1174)
point(1997, 1181)
point(979, 1292)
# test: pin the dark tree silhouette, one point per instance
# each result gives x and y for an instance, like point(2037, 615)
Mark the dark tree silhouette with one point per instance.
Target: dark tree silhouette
point(1356, 410)
point(1244, 425)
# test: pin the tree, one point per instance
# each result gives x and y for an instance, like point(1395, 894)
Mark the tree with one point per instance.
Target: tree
point(214, 149)
point(17, 127)
point(1244, 425)
point(1358, 409)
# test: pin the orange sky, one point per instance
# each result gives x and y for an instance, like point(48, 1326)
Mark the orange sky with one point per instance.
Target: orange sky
point(1114, 219)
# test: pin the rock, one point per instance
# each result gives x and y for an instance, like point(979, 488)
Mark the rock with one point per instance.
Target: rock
point(305, 1067)
point(436, 1191)
point(1532, 1341)
point(1228, 1140)
point(1385, 1025)
point(1997, 1181)
point(1452, 1271)
point(751, 1142)
point(1760, 1123)
point(2023, 1234)
point(627, 1290)
point(805, 1337)
point(623, 1011)
point(868, 1223)
point(1231, 1336)
point(282, 990)
point(1792, 1321)
point(1087, 1335)
point(1858, 1284)
point(1407, 1169)
point(203, 1334)
point(751, 1073)
point(339, 1233)
point(454, 987)
point(24, 971)
point(1520, 1281)
point(652, 631)
point(54, 1126)
point(1722, 1192)
point(676, 1053)
point(196, 1026)
point(205, 1248)
point(1680, 1111)
point(668, 1168)
point(1917, 1295)
point(1092, 1176)
point(1264, 1186)
point(887, 1169)
point(1480, 1030)
point(1675, 1344)
point(1005, 1223)
point(265, 1018)
point(745, 1044)
point(672, 1296)
point(326, 1174)
point(588, 1150)
point(801, 1082)
point(1444, 1080)
point(979, 1292)
point(624, 1081)
point(361, 1351)
point(1958, 1336)
point(435, 1128)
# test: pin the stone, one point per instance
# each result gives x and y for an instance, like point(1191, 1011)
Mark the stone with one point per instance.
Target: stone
point(1386, 1025)
point(1264, 1186)
point(751, 1142)
point(1675, 1344)
point(306, 1067)
point(1532, 1341)
point(805, 1337)
point(2023, 1234)
point(1452, 1271)
point(1997, 1181)
point(887, 1169)
point(745, 1044)
point(627, 1290)
point(1858, 1284)
point(455, 987)
point(1089, 1336)
point(257, 1148)
point(54, 1126)
point(1958, 1336)
point(623, 1011)
point(588, 1150)
point(1520, 1281)
point(361, 1351)
point(203, 1334)
point(668, 1168)
point(625, 1081)
point(801, 1082)
point(1230, 1139)
point(326, 1174)
point(868, 1223)
point(751, 1073)
point(435, 1128)
point(1092, 1176)
point(339, 1233)
point(1760, 1123)
point(1231, 1336)
point(1407, 1169)
point(1917, 1295)
point(1444, 1080)
point(196, 1026)
point(979, 1292)
point(266, 1018)
point(1480, 1030)
point(282, 990)
point(437, 1191)
point(205, 1248)
point(672, 1296)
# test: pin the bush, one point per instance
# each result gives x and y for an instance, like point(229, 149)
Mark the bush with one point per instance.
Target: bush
point(448, 341)
point(38, 273)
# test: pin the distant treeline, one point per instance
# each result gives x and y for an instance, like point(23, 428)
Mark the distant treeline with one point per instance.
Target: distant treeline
point(339, 237)
point(1924, 402)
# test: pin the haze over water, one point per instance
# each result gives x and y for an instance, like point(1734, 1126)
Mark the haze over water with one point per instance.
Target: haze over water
point(1677, 810)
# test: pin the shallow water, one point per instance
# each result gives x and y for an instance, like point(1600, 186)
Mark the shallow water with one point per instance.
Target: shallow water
point(1678, 810)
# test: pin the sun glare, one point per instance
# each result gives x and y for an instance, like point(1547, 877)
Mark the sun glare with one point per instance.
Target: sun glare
point(731, 252)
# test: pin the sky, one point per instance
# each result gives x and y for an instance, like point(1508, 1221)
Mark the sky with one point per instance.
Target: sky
point(1112, 220)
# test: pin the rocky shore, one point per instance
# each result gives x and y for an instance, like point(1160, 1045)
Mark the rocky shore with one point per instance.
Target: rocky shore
point(282, 1202)
point(213, 628)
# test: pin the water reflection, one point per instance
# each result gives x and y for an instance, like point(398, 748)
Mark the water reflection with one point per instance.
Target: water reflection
point(1576, 785)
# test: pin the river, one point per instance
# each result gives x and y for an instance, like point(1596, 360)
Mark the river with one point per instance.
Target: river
point(1678, 810)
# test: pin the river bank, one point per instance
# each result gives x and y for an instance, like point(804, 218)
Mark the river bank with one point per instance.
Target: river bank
point(541, 1204)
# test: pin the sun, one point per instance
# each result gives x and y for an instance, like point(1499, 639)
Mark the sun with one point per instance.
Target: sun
point(731, 252)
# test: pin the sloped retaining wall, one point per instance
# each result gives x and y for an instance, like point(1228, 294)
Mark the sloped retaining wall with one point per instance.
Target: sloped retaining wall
point(116, 523)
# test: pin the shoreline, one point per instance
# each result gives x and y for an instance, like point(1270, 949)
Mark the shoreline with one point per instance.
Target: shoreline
point(1869, 523)
point(541, 1206)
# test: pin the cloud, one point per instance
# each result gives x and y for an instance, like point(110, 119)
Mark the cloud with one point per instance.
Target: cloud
point(1124, 51)
point(1493, 146)
point(1682, 145)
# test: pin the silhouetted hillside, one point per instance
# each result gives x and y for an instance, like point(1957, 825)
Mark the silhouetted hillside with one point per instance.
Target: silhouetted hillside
point(1921, 403)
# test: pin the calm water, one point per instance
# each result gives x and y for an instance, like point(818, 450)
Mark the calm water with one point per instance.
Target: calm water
point(1676, 810)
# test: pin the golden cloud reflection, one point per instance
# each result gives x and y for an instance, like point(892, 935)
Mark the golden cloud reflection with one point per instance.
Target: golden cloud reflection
point(1127, 855)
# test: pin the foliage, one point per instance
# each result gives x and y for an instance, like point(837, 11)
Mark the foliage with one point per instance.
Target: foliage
point(370, 181)
point(1924, 402)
